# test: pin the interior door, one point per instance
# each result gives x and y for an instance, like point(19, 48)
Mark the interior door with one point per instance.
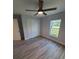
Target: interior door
point(16, 33)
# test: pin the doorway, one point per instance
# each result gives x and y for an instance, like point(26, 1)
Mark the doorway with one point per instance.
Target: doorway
point(16, 31)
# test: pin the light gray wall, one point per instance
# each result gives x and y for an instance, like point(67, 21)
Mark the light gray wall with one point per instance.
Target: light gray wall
point(45, 23)
point(31, 26)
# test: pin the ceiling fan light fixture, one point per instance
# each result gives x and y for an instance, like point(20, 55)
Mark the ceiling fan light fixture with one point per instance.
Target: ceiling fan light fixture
point(40, 12)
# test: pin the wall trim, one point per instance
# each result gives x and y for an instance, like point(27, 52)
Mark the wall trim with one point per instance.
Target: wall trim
point(53, 40)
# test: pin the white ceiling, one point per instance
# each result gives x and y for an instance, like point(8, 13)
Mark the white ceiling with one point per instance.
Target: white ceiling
point(19, 6)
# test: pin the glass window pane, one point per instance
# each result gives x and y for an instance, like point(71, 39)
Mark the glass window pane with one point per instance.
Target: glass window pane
point(54, 27)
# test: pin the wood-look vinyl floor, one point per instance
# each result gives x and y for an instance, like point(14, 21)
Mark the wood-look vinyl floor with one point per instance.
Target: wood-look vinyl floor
point(37, 48)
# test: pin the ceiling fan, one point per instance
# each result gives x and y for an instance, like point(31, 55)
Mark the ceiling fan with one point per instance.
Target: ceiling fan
point(41, 10)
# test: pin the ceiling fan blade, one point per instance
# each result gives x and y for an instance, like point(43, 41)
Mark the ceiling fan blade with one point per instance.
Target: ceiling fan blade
point(49, 9)
point(36, 14)
point(30, 10)
point(44, 13)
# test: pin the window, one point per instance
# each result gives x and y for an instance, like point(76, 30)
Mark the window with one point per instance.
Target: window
point(54, 27)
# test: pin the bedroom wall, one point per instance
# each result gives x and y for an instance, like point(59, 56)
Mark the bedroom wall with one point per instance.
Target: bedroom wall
point(45, 23)
point(31, 26)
